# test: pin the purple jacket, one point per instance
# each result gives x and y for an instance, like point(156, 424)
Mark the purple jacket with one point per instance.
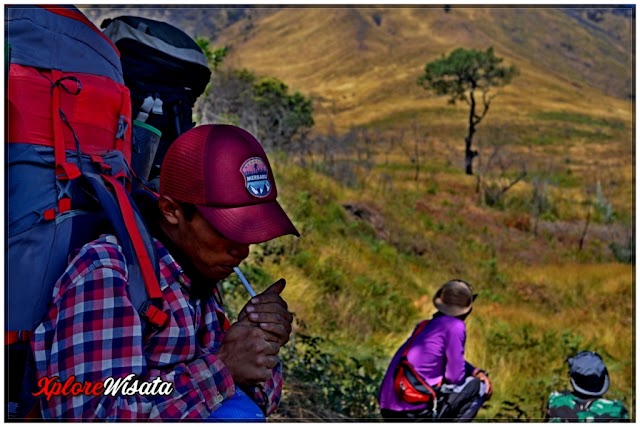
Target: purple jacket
point(437, 354)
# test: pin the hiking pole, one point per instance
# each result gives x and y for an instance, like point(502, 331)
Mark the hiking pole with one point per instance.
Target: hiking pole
point(245, 282)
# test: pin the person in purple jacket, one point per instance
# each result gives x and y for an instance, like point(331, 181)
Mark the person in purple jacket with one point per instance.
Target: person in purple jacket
point(437, 355)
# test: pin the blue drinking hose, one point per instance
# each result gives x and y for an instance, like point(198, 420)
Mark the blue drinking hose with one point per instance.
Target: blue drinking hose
point(245, 282)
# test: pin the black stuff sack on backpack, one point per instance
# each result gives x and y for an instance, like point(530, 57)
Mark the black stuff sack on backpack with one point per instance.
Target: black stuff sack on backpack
point(165, 70)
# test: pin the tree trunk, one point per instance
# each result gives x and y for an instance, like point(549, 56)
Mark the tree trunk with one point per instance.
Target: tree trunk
point(469, 154)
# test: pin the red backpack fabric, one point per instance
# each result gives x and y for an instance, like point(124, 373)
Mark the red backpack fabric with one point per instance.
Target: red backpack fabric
point(68, 141)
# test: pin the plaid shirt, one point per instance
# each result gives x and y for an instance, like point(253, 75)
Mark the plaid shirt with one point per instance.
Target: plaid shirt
point(92, 331)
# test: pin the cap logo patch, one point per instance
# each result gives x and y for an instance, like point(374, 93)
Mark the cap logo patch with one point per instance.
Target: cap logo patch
point(256, 177)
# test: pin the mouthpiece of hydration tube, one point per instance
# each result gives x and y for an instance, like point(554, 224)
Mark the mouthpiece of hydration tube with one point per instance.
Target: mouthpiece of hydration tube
point(245, 282)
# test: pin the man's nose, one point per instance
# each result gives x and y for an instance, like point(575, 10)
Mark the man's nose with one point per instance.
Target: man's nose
point(239, 251)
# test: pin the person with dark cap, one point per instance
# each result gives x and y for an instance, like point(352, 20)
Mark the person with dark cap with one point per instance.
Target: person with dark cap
point(217, 197)
point(436, 353)
point(589, 379)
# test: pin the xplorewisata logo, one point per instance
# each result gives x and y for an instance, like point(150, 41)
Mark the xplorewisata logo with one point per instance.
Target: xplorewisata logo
point(128, 386)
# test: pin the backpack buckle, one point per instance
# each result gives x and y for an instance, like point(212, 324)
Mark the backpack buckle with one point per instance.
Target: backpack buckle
point(154, 315)
point(123, 124)
point(98, 160)
point(12, 337)
point(67, 171)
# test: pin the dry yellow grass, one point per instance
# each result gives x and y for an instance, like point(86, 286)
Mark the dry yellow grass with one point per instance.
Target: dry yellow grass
point(359, 72)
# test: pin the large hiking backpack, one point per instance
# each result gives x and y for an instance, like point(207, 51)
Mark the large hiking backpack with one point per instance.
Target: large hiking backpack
point(166, 71)
point(68, 140)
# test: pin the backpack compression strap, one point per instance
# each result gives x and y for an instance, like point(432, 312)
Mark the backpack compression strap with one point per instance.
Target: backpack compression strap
point(65, 171)
point(122, 216)
point(413, 337)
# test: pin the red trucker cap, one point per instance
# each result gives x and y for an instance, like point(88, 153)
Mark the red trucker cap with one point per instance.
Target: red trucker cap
point(224, 171)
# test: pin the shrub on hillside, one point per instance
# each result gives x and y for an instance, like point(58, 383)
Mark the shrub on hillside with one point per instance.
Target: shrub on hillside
point(332, 383)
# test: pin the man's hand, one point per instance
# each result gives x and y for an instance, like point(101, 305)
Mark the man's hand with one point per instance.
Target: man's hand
point(248, 354)
point(270, 312)
point(487, 382)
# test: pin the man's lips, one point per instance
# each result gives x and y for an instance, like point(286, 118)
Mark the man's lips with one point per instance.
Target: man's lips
point(229, 267)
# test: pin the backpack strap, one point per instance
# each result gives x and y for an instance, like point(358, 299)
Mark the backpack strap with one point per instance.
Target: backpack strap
point(144, 288)
point(64, 171)
point(416, 332)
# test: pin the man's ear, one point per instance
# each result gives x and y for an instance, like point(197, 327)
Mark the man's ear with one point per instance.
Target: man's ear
point(170, 210)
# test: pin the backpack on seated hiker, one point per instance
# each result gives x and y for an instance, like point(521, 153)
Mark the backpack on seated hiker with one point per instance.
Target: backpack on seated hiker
point(68, 141)
point(166, 71)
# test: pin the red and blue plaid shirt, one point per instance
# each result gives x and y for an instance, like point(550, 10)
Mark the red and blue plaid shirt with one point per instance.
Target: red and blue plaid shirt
point(92, 331)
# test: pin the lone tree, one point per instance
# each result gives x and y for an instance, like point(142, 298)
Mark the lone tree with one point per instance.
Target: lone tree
point(461, 75)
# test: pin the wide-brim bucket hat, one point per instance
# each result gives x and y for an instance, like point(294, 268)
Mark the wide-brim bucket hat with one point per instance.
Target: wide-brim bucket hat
point(454, 298)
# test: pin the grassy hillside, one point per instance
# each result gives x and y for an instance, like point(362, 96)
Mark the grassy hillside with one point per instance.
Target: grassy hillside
point(361, 63)
point(390, 217)
point(362, 282)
